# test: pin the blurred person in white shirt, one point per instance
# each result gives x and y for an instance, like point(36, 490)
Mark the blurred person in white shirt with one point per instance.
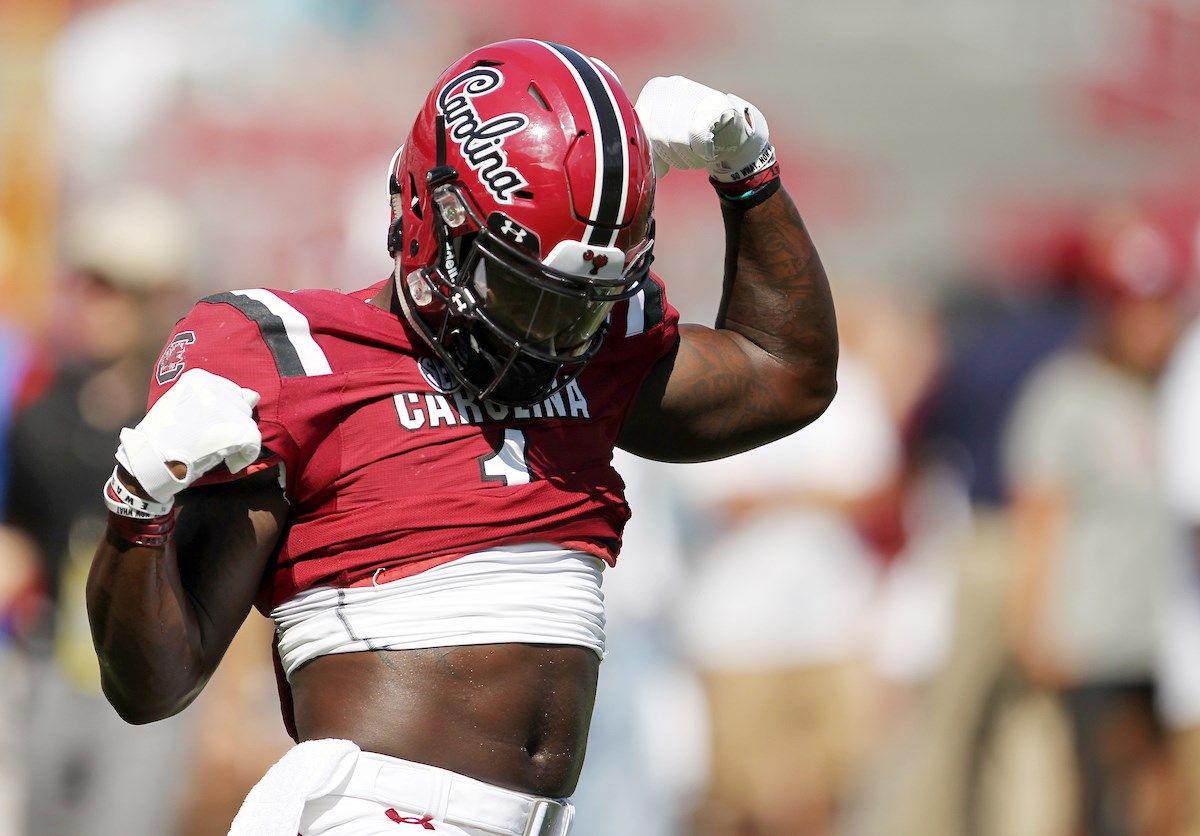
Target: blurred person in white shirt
point(775, 617)
point(647, 746)
point(1093, 539)
point(1178, 659)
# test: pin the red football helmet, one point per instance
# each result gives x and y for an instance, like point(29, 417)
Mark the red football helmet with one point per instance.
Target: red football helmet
point(521, 211)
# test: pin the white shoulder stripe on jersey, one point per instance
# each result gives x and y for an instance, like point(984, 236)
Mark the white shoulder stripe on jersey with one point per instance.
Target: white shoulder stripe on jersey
point(295, 324)
point(635, 317)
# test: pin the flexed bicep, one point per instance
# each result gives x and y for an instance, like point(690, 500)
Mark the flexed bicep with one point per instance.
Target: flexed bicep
point(714, 395)
point(768, 367)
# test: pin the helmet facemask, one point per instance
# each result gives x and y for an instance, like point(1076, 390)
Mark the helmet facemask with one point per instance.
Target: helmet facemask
point(513, 324)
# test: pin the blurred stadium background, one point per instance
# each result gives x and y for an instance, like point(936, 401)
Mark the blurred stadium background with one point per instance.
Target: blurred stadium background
point(873, 628)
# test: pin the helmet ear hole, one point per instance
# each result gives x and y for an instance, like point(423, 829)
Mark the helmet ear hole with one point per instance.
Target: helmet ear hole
point(396, 236)
point(414, 202)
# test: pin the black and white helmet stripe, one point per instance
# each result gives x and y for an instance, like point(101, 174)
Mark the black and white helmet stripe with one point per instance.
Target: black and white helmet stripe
point(612, 146)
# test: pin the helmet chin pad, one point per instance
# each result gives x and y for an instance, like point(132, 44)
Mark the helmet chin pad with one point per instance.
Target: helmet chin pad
point(515, 380)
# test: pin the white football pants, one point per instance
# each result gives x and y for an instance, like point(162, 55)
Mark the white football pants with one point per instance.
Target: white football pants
point(331, 788)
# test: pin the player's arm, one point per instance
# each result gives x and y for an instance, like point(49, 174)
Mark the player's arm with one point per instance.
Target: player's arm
point(769, 366)
point(1041, 458)
point(169, 587)
point(1039, 517)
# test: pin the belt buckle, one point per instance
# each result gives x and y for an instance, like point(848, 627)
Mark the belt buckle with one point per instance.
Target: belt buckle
point(549, 818)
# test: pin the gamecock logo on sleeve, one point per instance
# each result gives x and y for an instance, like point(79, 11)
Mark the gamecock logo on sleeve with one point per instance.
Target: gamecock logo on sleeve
point(171, 363)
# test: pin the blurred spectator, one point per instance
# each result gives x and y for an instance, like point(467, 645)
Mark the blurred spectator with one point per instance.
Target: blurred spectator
point(1178, 668)
point(87, 772)
point(646, 756)
point(18, 574)
point(12, 364)
point(776, 613)
point(993, 336)
point(915, 525)
point(1092, 536)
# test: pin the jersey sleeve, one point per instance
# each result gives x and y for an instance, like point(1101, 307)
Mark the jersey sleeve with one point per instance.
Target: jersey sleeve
point(643, 330)
point(651, 325)
point(223, 340)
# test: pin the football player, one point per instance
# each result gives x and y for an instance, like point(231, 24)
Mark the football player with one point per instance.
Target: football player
point(414, 480)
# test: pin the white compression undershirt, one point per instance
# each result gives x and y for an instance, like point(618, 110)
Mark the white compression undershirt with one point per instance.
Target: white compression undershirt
point(534, 592)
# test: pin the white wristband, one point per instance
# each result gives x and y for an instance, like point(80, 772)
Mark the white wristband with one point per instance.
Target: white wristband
point(123, 502)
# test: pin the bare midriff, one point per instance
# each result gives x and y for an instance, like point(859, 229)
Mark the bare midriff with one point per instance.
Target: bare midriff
point(513, 715)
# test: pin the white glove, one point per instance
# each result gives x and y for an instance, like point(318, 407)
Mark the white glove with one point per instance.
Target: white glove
point(201, 421)
point(693, 126)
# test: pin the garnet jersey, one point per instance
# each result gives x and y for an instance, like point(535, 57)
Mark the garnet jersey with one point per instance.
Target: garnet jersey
point(389, 468)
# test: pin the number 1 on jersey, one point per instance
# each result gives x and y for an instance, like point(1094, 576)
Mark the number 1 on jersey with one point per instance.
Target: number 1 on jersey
point(507, 464)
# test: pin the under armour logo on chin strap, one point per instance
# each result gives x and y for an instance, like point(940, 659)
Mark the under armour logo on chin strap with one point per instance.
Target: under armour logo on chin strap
point(425, 821)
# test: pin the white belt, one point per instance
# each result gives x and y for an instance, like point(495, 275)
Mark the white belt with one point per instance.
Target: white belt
point(455, 798)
